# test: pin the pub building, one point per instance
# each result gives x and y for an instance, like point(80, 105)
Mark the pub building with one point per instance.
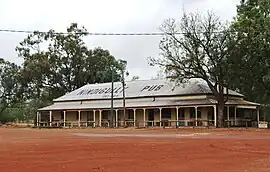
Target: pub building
point(148, 103)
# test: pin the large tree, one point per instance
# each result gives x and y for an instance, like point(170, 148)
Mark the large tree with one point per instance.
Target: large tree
point(198, 47)
point(55, 63)
point(11, 88)
point(252, 27)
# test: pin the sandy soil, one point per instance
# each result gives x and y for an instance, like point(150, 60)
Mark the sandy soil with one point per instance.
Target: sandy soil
point(202, 150)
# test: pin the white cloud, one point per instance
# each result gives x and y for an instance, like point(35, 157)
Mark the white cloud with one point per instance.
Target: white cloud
point(104, 16)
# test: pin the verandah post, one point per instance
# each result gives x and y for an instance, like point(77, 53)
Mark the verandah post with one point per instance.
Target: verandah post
point(134, 118)
point(100, 117)
point(37, 119)
point(94, 118)
point(258, 117)
point(177, 118)
point(144, 117)
point(215, 115)
point(50, 118)
point(196, 116)
point(79, 118)
point(228, 116)
point(116, 118)
point(64, 118)
point(235, 111)
point(160, 117)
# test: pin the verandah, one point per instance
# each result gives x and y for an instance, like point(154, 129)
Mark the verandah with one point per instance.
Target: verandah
point(192, 116)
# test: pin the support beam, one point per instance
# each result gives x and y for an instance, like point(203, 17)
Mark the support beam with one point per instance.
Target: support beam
point(177, 117)
point(94, 118)
point(258, 117)
point(100, 117)
point(116, 118)
point(50, 118)
point(79, 118)
point(215, 115)
point(144, 117)
point(134, 118)
point(64, 118)
point(160, 116)
point(196, 116)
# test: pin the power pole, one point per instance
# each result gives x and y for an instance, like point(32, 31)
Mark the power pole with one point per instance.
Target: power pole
point(124, 97)
point(112, 114)
point(124, 64)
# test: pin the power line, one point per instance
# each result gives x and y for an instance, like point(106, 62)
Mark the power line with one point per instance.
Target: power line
point(88, 33)
point(15, 31)
point(127, 34)
point(103, 33)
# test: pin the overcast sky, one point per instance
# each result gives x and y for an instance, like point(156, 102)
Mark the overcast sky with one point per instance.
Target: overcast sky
point(103, 16)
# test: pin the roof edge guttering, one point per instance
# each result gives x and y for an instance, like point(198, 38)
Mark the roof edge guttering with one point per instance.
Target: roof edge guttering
point(140, 89)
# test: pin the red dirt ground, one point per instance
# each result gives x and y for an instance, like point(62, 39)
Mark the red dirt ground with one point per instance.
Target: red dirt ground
point(24, 150)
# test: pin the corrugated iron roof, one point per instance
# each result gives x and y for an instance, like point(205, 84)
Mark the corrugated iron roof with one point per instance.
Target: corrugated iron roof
point(118, 104)
point(140, 88)
point(141, 104)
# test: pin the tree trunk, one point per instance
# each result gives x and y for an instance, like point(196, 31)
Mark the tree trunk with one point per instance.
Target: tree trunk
point(220, 115)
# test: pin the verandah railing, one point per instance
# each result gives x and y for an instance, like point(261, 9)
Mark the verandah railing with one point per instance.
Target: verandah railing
point(156, 123)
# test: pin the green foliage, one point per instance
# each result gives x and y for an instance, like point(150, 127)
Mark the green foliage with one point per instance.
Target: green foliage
point(11, 89)
point(6, 117)
point(266, 112)
point(252, 62)
point(55, 64)
point(30, 108)
point(23, 111)
point(12, 114)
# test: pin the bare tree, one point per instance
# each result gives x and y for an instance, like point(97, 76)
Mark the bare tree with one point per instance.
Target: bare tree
point(198, 47)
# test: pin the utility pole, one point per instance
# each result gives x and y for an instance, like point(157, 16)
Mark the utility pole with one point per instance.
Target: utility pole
point(124, 97)
point(124, 64)
point(112, 114)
